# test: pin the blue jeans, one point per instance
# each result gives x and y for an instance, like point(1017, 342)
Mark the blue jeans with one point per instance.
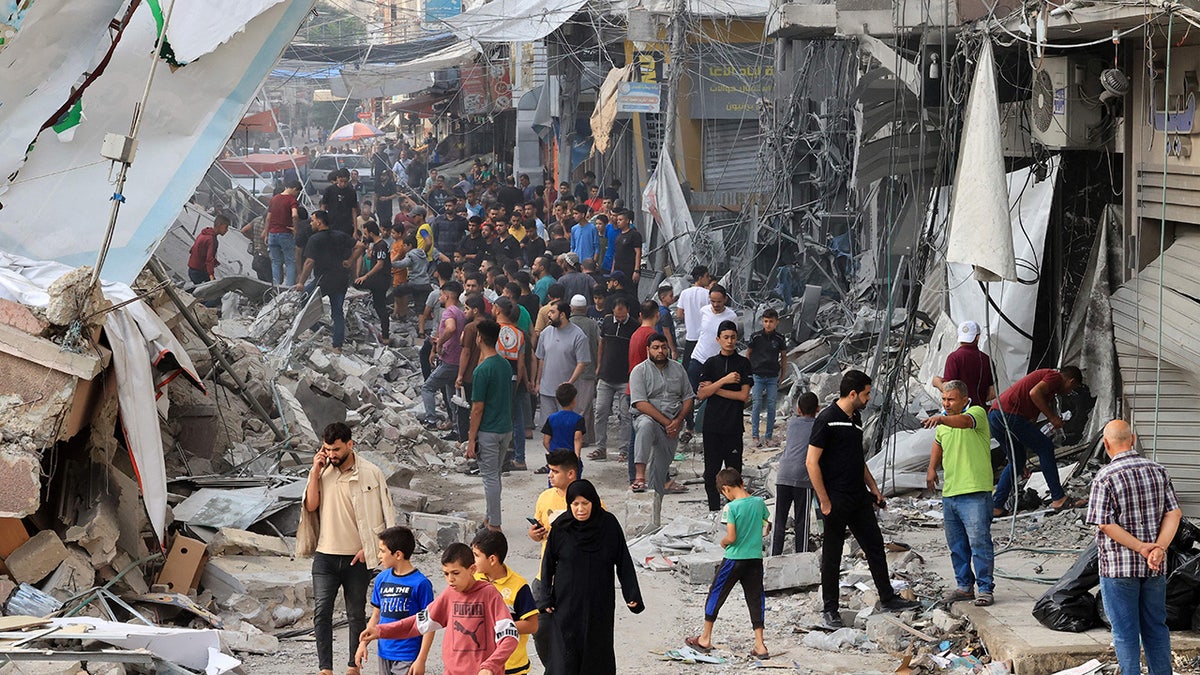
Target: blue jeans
point(282, 248)
point(1025, 437)
point(1137, 608)
point(770, 387)
point(968, 523)
point(440, 379)
point(337, 312)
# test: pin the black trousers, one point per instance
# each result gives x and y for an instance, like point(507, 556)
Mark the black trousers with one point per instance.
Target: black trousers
point(721, 449)
point(798, 500)
point(463, 416)
point(749, 573)
point(379, 301)
point(859, 518)
point(331, 572)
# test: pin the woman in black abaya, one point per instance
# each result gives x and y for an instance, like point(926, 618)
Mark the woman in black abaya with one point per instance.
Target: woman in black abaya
point(586, 545)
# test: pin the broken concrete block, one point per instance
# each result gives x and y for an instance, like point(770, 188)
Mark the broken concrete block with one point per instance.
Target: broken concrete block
point(698, 569)
point(792, 571)
point(409, 500)
point(883, 631)
point(37, 558)
point(7, 588)
point(231, 541)
point(245, 637)
point(134, 584)
point(286, 616)
point(20, 474)
point(445, 530)
point(267, 581)
point(74, 575)
point(945, 622)
point(42, 668)
point(104, 668)
point(98, 534)
point(319, 361)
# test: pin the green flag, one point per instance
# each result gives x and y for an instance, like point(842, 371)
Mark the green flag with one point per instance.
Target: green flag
point(65, 125)
point(168, 54)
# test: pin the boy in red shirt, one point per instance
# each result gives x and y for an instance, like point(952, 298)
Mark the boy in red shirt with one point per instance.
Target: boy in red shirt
point(481, 633)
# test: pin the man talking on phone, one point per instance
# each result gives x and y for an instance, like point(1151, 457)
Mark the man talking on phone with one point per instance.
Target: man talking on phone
point(346, 505)
point(848, 494)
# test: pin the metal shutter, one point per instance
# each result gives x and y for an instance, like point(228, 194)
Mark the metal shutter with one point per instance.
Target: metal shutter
point(731, 155)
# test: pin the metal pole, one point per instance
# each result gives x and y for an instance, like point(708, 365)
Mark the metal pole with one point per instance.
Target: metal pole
point(675, 57)
point(156, 269)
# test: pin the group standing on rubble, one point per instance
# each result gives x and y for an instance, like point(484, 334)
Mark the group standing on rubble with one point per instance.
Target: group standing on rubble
point(529, 306)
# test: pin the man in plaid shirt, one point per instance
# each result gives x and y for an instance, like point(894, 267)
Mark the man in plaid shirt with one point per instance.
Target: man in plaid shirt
point(1134, 506)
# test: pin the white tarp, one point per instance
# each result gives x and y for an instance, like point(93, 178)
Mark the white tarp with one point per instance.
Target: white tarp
point(197, 27)
point(57, 208)
point(1029, 211)
point(512, 20)
point(39, 67)
point(664, 206)
point(741, 9)
point(380, 81)
point(145, 356)
point(980, 232)
point(606, 107)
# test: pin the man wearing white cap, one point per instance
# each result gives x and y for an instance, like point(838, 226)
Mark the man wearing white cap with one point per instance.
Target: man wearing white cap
point(969, 365)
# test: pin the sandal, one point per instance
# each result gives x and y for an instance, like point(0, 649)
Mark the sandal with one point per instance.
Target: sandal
point(676, 489)
point(1070, 504)
point(622, 457)
point(985, 600)
point(543, 471)
point(694, 643)
point(1000, 513)
point(762, 657)
point(598, 455)
point(638, 486)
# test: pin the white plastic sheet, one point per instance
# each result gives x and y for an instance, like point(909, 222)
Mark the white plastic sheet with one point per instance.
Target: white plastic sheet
point(58, 207)
point(512, 20)
point(664, 206)
point(980, 232)
point(197, 27)
point(380, 81)
point(1004, 337)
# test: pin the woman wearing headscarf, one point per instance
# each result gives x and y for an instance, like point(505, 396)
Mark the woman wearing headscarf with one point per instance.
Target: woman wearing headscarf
point(586, 545)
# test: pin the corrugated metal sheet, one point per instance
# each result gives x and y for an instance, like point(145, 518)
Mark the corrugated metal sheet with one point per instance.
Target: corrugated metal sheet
point(731, 155)
point(1182, 194)
point(1172, 394)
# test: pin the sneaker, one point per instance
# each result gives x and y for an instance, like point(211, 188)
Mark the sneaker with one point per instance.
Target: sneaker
point(899, 604)
point(832, 620)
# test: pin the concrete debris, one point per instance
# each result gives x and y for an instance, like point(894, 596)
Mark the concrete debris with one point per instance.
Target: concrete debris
point(230, 541)
point(37, 558)
point(74, 575)
point(97, 534)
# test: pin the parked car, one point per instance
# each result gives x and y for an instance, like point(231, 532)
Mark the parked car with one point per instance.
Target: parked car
point(318, 172)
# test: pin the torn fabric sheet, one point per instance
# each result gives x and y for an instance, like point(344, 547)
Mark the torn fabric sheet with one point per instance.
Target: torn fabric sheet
point(512, 20)
point(665, 207)
point(190, 114)
point(1007, 338)
point(379, 80)
point(198, 27)
point(146, 357)
point(606, 107)
point(59, 41)
point(980, 232)
point(196, 650)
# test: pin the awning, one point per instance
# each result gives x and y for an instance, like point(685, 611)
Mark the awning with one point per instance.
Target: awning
point(380, 81)
point(261, 163)
point(260, 121)
point(420, 105)
point(512, 20)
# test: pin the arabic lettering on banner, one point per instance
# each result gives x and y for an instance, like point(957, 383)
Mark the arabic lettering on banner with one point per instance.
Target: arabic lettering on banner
point(729, 85)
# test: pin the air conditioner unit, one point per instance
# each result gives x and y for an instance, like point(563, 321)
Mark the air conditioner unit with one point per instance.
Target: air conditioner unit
point(1065, 108)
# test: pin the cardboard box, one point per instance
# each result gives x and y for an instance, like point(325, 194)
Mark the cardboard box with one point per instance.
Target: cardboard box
point(185, 563)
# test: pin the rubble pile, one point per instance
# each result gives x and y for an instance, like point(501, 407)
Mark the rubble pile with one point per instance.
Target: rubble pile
point(236, 460)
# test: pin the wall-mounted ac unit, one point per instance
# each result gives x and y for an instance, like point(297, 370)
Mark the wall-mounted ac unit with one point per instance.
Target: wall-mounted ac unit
point(1065, 108)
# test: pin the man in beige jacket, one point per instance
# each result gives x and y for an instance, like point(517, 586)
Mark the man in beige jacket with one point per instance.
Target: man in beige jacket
point(346, 505)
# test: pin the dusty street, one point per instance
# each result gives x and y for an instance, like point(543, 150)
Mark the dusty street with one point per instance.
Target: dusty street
point(674, 608)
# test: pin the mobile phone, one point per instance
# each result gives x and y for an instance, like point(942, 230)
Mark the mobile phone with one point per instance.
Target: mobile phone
point(533, 521)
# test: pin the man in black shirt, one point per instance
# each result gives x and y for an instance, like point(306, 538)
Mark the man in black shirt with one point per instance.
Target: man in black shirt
point(627, 256)
point(506, 245)
point(474, 246)
point(848, 495)
point(612, 377)
point(329, 254)
point(510, 195)
point(449, 227)
point(724, 388)
point(340, 202)
point(438, 195)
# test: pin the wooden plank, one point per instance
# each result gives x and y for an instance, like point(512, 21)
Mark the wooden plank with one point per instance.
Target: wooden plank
point(45, 353)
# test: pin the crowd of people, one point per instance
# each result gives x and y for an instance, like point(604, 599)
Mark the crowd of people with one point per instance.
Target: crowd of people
point(528, 306)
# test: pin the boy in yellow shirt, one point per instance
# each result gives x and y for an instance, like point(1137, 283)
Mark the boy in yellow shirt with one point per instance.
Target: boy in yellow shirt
point(491, 548)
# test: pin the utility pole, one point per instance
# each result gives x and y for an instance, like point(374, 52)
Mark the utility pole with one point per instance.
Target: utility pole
point(676, 54)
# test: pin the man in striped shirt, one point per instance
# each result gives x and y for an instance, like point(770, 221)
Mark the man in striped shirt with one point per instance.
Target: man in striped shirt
point(1134, 506)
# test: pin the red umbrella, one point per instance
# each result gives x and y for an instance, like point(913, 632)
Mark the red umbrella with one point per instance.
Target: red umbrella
point(261, 163)
point(355, 131)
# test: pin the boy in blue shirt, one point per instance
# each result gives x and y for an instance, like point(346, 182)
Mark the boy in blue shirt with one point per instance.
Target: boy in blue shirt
point(564, 429)
point(400, 591)
point(747, 521)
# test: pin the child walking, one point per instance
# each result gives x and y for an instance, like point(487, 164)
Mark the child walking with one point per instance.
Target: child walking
point(745, 517)
point(793, 489)
point(400, 591)
point(491, 548)
point(480, 633)
point(768, 358)
point(564, 429)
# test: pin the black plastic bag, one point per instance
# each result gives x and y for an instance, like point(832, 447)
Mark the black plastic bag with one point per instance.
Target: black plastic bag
point(1069, 605)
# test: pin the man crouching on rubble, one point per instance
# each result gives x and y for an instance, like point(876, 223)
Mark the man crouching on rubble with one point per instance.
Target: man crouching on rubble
point(963, 447)
point(848, 494)
point(1134, 506)
point(346, 505)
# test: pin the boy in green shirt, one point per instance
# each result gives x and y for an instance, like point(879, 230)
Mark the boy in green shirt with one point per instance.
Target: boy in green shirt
point(747, 521)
